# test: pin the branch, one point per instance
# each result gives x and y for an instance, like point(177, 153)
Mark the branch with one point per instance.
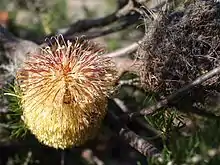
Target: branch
point(82, 26)
point(138, 143)
point(181, 91)
point(123, 24)
point(123, 51)
point(125, 16)
point(139, 123)
point(135, 141)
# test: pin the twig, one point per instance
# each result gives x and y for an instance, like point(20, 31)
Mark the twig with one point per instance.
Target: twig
point(133, 81)
point(126, 8)
point(90, 158)
point(181, 91)
point(82, 26)
point(140, 144)
point(130, 82)
point(121, 104)
point(121, 25)
point(135, 141)
point(139, 123)
point(123, 51)
point(62, 160)
point(124, 16)
point(28, 158)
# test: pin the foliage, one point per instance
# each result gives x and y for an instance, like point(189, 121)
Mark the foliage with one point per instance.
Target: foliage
point(201, 146)
point(16, 125)
point(187, 139)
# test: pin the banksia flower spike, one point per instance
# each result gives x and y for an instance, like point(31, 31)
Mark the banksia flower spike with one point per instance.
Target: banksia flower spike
point(64, 91)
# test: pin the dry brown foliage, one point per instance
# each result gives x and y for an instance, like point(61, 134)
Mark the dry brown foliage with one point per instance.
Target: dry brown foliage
point(182, 46)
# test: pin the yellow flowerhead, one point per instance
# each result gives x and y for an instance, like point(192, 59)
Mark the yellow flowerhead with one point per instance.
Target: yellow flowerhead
point(64, 92)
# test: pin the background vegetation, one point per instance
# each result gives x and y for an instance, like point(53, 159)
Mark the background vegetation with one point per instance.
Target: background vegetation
point(178, 133)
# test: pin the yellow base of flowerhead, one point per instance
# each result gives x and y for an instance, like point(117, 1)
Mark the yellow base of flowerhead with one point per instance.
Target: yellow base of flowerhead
point(64, 126)
point(64, 92)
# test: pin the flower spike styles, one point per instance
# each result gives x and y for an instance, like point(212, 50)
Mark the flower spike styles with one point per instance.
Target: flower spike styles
point(64, 91)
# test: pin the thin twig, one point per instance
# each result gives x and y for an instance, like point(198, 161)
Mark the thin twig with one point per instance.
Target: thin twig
point(62, 160)
point(121, 104)
point(124, 17)
point(135, 141)
point(120, 25)
point(28, 158)
point(140, 144)
point(83, 26)
point(139, 123)
point(123, 51)
point(181, 91)
point(130, 82)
